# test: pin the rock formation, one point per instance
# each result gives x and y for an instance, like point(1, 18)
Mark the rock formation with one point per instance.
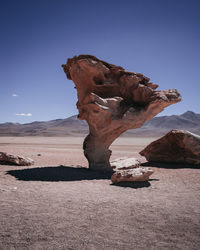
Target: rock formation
point(132, 175)
point(178, 146)
point(129, 170)
point(124, 163)
point(6, 158)
point(112, 100)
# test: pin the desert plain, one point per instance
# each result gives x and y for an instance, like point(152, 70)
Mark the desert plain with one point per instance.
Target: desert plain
point(58, 204)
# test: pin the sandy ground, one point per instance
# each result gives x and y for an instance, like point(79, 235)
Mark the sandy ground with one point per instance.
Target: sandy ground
point(56, 204)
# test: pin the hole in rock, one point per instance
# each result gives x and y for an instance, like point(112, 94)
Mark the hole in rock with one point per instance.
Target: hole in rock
point(97, 81)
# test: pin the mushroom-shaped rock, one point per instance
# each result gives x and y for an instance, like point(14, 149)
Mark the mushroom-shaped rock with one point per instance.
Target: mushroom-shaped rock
point(6, 158)
point(177, 146)
point(112, 100)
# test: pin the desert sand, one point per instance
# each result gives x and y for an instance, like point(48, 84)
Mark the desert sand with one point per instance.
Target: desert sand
point(58, 204)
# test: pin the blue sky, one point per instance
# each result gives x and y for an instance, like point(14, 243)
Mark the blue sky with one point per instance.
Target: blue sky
point(157, 38)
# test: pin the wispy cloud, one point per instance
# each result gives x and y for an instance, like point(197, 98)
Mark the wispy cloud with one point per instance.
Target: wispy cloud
point(24, 114)
point(15, 95)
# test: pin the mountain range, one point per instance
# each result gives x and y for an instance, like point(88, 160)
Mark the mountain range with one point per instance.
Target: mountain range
point(72, 126)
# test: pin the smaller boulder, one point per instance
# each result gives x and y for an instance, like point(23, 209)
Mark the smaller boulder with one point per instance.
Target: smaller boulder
point(125, 163)
point(177, 146)
point(130, 175)
point(129, 170)
point(6, 158)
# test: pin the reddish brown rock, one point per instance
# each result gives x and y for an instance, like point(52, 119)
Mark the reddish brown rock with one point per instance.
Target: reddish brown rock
point(131, 175)
point(112, 101)
point(6, 158)
point(178, 146)
point(129, 170)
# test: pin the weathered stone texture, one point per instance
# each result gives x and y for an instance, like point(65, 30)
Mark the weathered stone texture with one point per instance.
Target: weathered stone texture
point(112, 101)
point(177, 146)
point(129, 170)
point(15, 159)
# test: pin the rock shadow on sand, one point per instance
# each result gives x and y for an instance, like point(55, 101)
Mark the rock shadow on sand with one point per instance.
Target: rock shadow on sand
point(135, 184)
point(170, 165)
point(59, 173)
point(66, 173)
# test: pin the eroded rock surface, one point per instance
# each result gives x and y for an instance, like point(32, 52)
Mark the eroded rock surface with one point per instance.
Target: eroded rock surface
point(15, 159)
point(177, 146)
point(131, 175)
point(125, 163)
point(129, 170)
point(112, 100)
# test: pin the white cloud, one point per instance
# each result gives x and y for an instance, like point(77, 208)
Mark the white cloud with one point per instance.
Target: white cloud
point(24, 114)
point(15, 95)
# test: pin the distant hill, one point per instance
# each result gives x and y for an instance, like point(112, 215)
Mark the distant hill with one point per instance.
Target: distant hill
point(59, 127)
point(161, 125)
point(74, 127)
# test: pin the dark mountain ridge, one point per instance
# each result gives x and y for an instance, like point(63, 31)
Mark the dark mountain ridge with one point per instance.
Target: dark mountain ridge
point(72, 126)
